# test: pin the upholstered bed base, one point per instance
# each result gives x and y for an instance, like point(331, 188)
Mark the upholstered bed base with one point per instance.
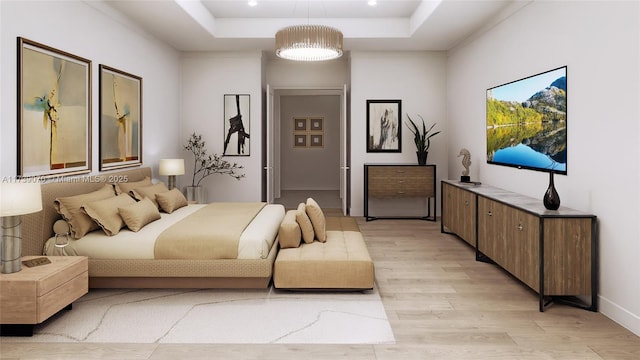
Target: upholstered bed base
point(225, 273)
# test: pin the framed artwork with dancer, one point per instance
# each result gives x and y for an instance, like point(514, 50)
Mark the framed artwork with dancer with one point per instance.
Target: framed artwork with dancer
point(384, 133)
point(236, 125)
point(54, 111)
point(120, 119)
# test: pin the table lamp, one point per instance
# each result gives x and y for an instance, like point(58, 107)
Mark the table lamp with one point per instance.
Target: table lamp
point(171, 168)
point(16, 198)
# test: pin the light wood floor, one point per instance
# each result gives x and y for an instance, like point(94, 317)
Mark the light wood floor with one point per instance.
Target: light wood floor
point(441, 303)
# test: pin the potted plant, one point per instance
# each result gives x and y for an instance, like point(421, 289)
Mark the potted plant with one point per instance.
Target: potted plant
point(204, 165)
point(422, 138)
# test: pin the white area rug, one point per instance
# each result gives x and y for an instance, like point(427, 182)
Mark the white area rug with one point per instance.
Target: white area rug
point(210, 316)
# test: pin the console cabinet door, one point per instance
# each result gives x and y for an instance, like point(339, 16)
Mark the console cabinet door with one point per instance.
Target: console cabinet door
point(459, 213)
point(510, 237)
point(492, 231)
point(523, 258)
point(567, 256)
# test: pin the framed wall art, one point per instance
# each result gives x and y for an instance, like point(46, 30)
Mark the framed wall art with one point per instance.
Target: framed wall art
point(316, 124)
point(300, 140)
point(54, 111)
point(120, 119)
point(299, 124)
point(236, 125)
point(308, 132)
point(316, 140)
point(384, 133)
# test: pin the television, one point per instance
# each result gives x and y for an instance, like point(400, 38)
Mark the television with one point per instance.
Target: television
point(527, 123)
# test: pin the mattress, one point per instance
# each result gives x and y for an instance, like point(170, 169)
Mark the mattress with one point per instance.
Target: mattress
point(255, 241)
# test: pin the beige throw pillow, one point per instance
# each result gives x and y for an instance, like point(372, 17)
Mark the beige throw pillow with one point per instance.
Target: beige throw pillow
point(305, 224)
point(317, 219)
point(69, 207)
point(137, 215)
point(105, 212)
point(125, 187)
point(171, 200)
point(289, 235)
point(148, 192)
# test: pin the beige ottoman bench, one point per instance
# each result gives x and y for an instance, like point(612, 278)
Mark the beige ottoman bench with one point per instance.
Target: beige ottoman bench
point(342, 262)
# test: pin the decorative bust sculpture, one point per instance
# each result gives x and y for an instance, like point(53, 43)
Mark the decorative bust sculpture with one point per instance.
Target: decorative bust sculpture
point(466, 162)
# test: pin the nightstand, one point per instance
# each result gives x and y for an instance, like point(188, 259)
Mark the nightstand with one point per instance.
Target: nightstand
point(34, 294)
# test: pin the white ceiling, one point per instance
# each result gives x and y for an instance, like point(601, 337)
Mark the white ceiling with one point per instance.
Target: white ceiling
point(233, 25)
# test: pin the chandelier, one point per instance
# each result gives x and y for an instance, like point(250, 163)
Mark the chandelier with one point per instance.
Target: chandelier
point(309, 43)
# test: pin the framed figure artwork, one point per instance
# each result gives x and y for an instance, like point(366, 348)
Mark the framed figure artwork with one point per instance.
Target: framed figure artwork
point(384, 133)
point(237, 120)
point(54, 111)
point(120, 119)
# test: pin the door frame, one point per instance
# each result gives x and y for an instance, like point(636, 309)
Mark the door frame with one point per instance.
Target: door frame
point(275, 117)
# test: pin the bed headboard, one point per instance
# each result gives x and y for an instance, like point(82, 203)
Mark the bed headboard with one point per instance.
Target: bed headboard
point(37, 228)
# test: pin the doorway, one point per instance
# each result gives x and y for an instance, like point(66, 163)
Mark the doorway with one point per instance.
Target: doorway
point(308, 147)
point(310, 150)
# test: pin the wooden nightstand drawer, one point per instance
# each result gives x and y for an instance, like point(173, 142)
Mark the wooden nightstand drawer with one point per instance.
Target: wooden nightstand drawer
point(32, 295)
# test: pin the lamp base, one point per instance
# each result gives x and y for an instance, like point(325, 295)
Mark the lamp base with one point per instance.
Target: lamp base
point(11, 244)
point(171, 181)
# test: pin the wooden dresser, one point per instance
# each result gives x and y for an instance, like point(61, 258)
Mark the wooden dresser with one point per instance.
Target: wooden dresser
point(554, 252)
point(396, 181)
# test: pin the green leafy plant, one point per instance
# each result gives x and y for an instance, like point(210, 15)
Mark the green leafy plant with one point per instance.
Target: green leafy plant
point(422, 139)
point(205, 164)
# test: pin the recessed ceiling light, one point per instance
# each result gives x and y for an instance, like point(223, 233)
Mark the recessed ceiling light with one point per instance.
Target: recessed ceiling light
point(372, 2)
point(253, 3)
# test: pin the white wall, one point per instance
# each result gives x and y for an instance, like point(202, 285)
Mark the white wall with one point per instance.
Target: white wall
point(207, 77)
point(300, 167)
point(416, 78)
point(92, 31)
point(599, 43)
point(287, 74)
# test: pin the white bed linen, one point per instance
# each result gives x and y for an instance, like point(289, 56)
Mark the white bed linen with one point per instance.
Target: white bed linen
point(255, 242)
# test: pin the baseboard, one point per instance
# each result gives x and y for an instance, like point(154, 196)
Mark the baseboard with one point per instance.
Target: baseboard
point(619, 314)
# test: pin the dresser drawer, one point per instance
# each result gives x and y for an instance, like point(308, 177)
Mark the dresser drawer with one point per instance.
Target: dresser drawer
point(401, 181)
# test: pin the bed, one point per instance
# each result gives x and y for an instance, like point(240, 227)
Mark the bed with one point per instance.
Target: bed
point(130, 259)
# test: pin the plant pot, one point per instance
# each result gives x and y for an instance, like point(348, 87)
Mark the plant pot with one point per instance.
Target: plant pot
point(422, 157)
point(195, 195)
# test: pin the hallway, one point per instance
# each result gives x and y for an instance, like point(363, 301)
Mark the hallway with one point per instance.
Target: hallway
point(327, 199)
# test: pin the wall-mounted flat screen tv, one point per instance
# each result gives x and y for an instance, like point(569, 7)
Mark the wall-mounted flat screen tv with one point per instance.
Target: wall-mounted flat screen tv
point(527, 122)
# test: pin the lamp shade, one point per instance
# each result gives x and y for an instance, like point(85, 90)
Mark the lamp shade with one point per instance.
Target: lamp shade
point(171, 166)
point(18, 198)
point(309, 43)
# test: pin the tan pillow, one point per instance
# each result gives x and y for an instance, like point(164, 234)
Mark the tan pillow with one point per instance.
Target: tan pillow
point(148, 192)
point(171, 200)
point(105, 212)
point(139, 214)
point(289, 235)
point(305, 224)
point(69, 207)
point(125, 187)
point(317, 219)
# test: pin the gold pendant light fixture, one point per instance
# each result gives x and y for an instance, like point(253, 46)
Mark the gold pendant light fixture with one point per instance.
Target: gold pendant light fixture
point(309, 43)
